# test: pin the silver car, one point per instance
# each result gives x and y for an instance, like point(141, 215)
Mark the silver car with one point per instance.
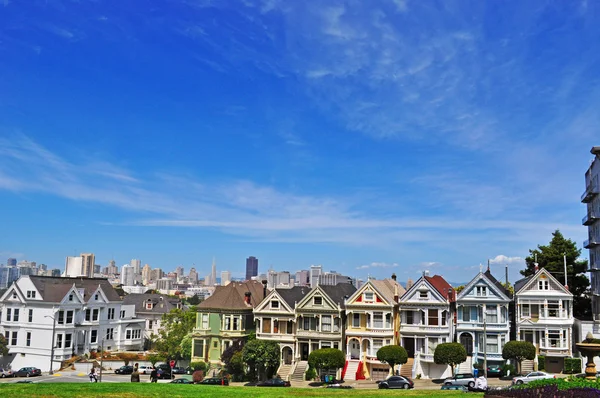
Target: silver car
point(531, 377)
point(461, 379)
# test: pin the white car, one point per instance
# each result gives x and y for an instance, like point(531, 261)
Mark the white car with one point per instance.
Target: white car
point(531, 377)
point(145, 369)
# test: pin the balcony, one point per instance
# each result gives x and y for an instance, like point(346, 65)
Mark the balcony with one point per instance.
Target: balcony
point(590, 218)
point(591, 242)
point(590, 192)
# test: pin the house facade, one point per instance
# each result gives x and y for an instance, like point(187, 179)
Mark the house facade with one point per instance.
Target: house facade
point(225, 316)
point(372, 321)
point(483, 319)
point(77, 314)
point(426, 320)
point(591, 198)
point(275, 319)
point(544, 317)
point(151, 307)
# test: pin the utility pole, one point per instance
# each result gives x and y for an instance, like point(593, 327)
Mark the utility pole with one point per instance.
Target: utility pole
point(101, 359)
point(53, 317)
point(485, 345)
point(565, 260)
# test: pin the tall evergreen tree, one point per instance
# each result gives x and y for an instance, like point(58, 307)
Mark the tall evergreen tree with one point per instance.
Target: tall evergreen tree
point(551, 258)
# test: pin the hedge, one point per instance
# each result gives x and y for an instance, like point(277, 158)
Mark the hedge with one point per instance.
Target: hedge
point(541, 362)
point(572, 365)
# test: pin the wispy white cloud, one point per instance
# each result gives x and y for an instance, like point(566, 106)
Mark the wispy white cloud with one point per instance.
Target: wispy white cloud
point(502, 259)
point(378, 265)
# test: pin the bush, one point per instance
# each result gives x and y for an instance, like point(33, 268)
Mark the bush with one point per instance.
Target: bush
point(508, 369)
point(542, 362)
point(127, 357)
point(199, 365)
point(198, 376)
point(572, 365)
point(310, 374)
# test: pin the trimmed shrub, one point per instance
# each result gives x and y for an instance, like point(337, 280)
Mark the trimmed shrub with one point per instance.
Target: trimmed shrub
point(572, 365)
point(541, 362)
point(310, 374)
point(506, 368)
point(199, 365)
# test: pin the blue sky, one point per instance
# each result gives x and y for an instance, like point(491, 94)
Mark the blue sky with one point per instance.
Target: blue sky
point(369, 137)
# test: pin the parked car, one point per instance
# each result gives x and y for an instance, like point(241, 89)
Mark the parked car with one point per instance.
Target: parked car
point(182, 381)
point(451, 387)
point(124, 370)
point(28, 372)
point(396, 382)
point(178, 370)
point(163, 374)
point(461, 379)
point(274, 383)
point(216, 381)
point(531, 377)
point(145, 369)
point(494, 371)
point(6, 373)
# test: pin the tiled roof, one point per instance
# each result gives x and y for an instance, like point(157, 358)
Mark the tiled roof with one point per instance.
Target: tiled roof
point(54, 289)
point(339, 292)
point(232, 296)
point(386, 287)
point(442, 287)
point(161, 304)
point(293, 295)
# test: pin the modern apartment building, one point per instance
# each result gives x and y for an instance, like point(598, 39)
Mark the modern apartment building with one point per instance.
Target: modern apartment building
point(591, 198)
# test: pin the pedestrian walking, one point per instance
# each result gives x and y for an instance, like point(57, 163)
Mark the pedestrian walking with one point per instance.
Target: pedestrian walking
point(93, 376)
point(135, 376)
point(153, 376)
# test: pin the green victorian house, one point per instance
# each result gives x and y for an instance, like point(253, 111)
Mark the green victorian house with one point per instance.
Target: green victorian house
point(224, 317)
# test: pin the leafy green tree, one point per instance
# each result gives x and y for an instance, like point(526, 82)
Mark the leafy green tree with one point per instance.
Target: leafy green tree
point(551, 258)
point(326, 358)
point(194, 300)
point(154, 358)
point(518, 351)
point(262, 357)
point(3, 346)
point(127, 357)
point(186, 347)
point(392, 355)
point(176, 326)
point(450, 354)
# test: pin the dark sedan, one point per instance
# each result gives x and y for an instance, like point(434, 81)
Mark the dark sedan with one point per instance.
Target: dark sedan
point(182, 381)
point(28, 372)
point(178, 370)
point(274, 383)
point(396, 382)
point(124, 370)
point(216, 381)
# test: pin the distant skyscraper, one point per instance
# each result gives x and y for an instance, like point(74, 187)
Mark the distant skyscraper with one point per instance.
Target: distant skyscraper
point(179, 271)
point(11, 262)
point(88, 260)
point(127, 275)
point(213, 274)
point(74, 266)
point(156, 274)
point(225, 278)
point(303, 278)
point(251, 267)
point(146, 274)
point(315, 272)
point(8, 275)
point(137, 265)
point(193, 277)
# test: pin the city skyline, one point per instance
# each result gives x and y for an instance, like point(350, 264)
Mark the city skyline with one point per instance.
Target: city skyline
point(369, 138)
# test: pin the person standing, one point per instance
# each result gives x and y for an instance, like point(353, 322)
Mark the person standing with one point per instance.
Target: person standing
point(135, 376)
point(93, 376)
point(153, 375)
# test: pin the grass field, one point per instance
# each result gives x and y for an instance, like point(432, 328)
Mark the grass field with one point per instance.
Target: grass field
point(129, 390)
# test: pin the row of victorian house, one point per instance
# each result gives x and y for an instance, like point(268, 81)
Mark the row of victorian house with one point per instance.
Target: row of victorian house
point(53, 317)
point(482, 317)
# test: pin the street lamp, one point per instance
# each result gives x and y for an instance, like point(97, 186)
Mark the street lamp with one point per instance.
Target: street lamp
point(53, 317)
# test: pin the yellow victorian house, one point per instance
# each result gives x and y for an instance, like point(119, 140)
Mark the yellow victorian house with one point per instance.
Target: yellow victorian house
point(372, 322)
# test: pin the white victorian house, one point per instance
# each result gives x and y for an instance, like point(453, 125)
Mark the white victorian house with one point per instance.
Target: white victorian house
point(275, 319)
point(372, 322)
point(544, 317)
point(426, 321)
point(320, 320)
point(64, 316)
point(483, 320)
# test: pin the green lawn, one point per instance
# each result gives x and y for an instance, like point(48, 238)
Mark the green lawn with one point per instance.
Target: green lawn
point(131, 390)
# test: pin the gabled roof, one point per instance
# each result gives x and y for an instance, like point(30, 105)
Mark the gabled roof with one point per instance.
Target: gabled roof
point(54, 289)
point(232, 296)
point(493, 282)
point(339, 292)
point(293, 295)
point(442, 287)
point(161, 304)
point(488, 274)
point(387, 289)
point(525, 282)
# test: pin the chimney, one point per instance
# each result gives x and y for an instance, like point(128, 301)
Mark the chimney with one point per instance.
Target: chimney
point(395, 289)
point(247, 297)
point(394, 277)
point(264, 283)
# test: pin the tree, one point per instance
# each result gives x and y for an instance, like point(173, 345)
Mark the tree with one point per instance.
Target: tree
point(233, 360)
point(3, 346)
point(176, 327)
point(262, 357)
point(450, 354)
point(392, 355)
point(551, 258)
point(154, 358)
point(194, 300)
point(326, 358)
point(518, 351)
point(127, 357)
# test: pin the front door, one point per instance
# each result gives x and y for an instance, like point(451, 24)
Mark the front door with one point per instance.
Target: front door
point(304, 351)
point(409, 345)
point(467, 341)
